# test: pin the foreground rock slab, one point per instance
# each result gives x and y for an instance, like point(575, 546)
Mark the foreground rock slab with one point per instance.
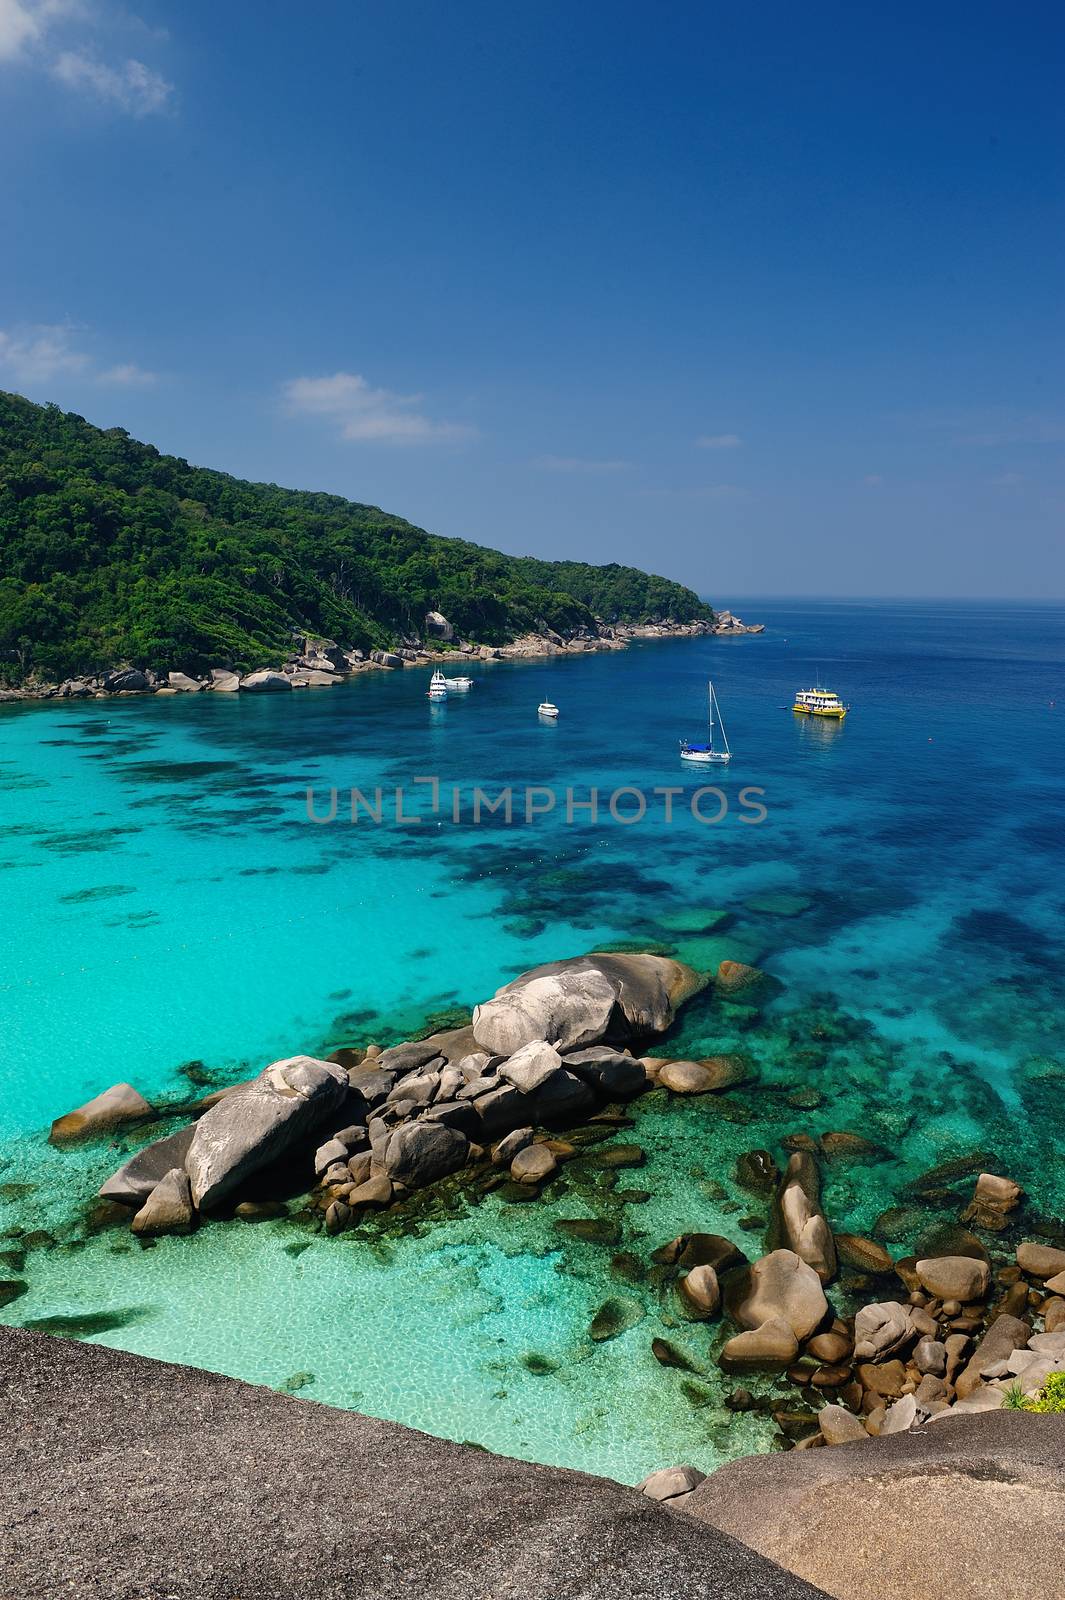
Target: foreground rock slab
point(120, 1104)
point(111, 1482)
point(969, 1510)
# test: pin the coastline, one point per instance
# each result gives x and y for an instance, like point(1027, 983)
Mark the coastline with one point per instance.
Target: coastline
point(322, 663)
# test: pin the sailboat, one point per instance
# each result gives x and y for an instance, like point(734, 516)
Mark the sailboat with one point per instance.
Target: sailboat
point(706, 753)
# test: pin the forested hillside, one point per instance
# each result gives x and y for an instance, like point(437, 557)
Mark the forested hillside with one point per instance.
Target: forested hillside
point(110, 551)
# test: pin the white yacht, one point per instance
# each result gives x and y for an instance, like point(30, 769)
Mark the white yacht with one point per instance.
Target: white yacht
point(547, 709)
point(708, 753)
point(438, 686)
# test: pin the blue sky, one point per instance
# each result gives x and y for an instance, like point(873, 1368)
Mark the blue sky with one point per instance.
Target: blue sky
point(768, 298)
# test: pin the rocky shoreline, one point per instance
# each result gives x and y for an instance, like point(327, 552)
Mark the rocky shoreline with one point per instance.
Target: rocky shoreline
point(322, 663)
point(830, 1336)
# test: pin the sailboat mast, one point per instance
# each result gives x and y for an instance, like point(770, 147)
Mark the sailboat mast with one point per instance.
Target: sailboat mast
point(710, 713)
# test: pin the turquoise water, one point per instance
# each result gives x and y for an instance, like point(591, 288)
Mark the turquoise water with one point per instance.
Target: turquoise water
point(167, 901)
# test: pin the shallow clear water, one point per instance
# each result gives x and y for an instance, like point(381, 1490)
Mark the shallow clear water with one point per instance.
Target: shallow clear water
point(167, 900)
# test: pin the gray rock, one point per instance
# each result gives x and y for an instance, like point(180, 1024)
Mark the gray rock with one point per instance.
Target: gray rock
point(265, 682)
point(1040, 1260)
point(930, 1356)
point(561, 1100)
point(840, 1426)
point(409, 1057)
point(533, 1164)
point(328, 1154)
point(671, 1482)
point(531, 1066)
point(585, 1001)
point(137, 1177)
point(882, 1328)
point(373, 1086)
point(770, 1347)
point(418, 1088)
point(508, 1147)
point(458, 1114)
point(502, 1109)
point(900, 1416)
point(120, 1104)
point(252, 1127)
point(422, 1152)
point(612, 1074)
point(168, 1209)
point(125, 680)
point(1005, 1335)
point(224, 682)
point(183, 683)
point(129, 1481)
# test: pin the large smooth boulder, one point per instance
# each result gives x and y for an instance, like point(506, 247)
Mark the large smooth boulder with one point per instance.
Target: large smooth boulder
point(136, 1178)
point(407, 1057)
point(421, 1152)
point(1040, 1260)
point(531, 1066)
point(168, 1209)
point(183, 683)
point(223, 682)
point(265, 682)
point(780, 1285)
point(254, 1125)
point(588, 1000)
point(125, 680)
point(117, 1105)
point(955, 1277)
point(798, 1222)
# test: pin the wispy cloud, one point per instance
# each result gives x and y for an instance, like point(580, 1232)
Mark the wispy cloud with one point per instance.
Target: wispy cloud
point(718, 441)
point(42, 353)
point(873, 480)
point(1000, 425)
point(369, 415)
point(579, 464)
point(131, 86)
point(1007, 480)
point(69, 39)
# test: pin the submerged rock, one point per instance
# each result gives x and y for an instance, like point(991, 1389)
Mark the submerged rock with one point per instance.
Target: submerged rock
point(135, 1179)
point(613, 1317)
point(533, 1164)
point(252, 1127)
point(120, 1104)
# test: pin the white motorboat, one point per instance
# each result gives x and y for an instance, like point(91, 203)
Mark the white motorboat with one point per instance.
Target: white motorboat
point(458, 685)
point(706, 754)
point(547, 709)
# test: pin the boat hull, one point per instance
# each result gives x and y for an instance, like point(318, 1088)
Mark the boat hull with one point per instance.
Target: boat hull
point(835, 713)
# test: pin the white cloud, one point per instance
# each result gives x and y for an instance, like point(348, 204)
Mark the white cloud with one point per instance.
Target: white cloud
point(127, 375)
point(38, 354)
point(35, 32)
point(366, 414)
point(872, 480)
point(41, 354)
point(718, 441)
point(131, 87)
point(1007, 480)
point(579, 464)
point(19, 26)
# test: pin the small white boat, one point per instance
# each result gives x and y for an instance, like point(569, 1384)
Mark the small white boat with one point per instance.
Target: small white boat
point(458, 684)
point(438, 686)
point(706, 754)
point(546, 708)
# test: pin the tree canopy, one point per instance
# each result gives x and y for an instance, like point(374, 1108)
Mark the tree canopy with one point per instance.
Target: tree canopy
point(110, 551)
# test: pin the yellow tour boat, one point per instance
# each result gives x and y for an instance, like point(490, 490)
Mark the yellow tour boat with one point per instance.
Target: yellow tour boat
point(820, 703)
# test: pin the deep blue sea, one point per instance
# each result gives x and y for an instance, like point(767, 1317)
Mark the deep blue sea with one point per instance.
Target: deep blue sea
point(167, 900)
